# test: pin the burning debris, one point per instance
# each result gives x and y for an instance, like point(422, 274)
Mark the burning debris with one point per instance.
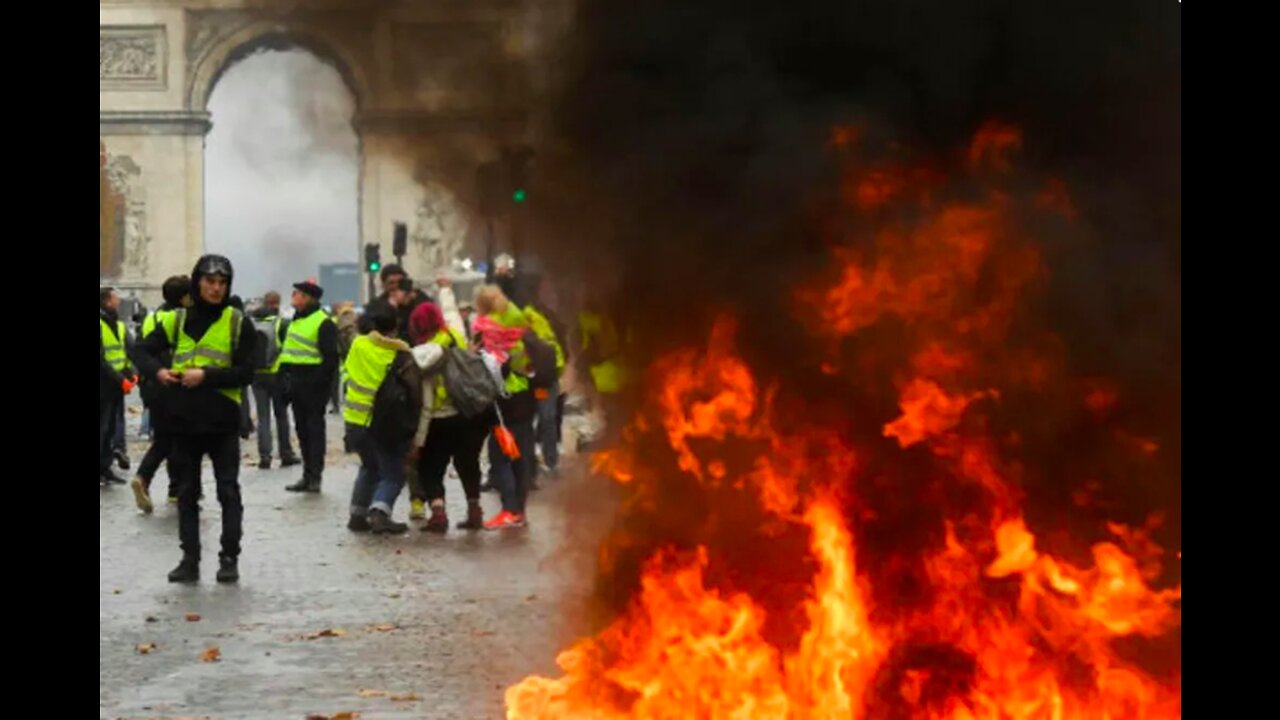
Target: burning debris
point(863, 552)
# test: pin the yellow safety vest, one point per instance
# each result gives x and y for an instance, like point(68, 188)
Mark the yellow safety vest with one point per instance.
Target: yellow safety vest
point(213, 350)
point(302, 344)
point(362, 373)
point(113, 345)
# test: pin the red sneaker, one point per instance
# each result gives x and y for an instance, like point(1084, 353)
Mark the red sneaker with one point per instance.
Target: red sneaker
point(502, 520)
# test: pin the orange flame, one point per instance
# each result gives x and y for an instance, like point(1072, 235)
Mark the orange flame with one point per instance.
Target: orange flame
point(1005, 629)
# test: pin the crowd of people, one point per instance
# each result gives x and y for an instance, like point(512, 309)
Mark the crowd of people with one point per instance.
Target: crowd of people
point(422, 382)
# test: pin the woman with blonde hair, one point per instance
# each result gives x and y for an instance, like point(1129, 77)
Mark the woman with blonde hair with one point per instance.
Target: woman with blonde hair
point(499, 330)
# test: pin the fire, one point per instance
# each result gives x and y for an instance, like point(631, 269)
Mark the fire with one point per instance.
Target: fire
point(997, 626)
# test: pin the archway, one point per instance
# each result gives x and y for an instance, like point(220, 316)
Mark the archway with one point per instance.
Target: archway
point(282, 164)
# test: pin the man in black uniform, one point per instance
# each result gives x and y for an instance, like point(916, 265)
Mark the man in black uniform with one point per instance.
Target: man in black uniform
point(307, 362)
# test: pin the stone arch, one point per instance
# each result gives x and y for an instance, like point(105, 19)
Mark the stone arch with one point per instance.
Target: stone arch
point(212, 61)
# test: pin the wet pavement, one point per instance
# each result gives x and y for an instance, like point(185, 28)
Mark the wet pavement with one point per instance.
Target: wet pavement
point(452, 620)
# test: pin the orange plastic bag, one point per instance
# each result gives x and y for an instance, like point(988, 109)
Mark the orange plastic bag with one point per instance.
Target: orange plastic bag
point(507, 442)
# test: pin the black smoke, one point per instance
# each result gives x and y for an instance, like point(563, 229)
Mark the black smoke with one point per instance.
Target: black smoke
point(684, 160)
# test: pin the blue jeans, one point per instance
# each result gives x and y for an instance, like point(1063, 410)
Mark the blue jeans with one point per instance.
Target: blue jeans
point(547, 428)
point(381, 475)
point(145, 428)
point(513, 476)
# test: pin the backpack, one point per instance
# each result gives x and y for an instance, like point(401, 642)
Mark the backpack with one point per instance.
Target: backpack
point(396, 406)
point(542, 359)
point(468, 380)
point(267, 349)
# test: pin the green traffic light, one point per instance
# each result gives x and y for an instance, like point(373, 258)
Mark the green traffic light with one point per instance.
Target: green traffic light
point(375, 267)
point(519, 195)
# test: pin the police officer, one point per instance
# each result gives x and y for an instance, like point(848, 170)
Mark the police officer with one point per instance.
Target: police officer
point(308, 361)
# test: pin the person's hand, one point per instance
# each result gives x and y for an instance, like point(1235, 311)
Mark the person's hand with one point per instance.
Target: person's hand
point(168, 377)
point(192, 378)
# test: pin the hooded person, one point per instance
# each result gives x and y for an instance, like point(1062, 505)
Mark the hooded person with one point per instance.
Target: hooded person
point(308, 361)
point(202, 357)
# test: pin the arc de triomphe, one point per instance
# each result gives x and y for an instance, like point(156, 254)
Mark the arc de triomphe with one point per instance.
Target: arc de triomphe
point(439, 87)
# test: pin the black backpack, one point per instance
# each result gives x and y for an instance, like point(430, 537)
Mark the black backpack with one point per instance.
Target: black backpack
point(396, 406)
point(471, 386)
point(542, 360)
point(267, 348)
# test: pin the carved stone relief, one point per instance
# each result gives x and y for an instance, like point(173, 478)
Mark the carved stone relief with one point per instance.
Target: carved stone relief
point(132, 57)
point(124, 178)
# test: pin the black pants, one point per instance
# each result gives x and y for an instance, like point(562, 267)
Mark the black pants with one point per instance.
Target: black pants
point(560, 402)
point(453, 438)
point(223, 450)
point(108, 415)
point(308, 418)
point(268, 397)
point(161, 447)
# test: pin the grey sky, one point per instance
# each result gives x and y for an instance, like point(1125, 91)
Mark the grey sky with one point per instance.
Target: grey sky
point(280, 170)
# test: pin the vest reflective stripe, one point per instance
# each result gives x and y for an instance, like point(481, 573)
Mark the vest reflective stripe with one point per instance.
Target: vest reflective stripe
point(204, 352)
point(363, 372)
point(302, 344)
point(361, 388)
point(213, 350)
point(113, 345)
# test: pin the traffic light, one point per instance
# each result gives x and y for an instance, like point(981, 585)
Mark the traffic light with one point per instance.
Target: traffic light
point(518, 159)
point(373, 257)
point(400, 240)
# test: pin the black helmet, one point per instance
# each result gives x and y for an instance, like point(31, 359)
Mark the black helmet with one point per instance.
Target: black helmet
point(212, 265)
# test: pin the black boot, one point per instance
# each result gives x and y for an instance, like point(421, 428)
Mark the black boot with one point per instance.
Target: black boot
point(110, 476)
point(358, 523)
point(289, 461)
point(475, 517)
point(188, 571)
point(381, 524)
point(122, 459)
point(227, 570)
point(304, 486)
point(264, 463)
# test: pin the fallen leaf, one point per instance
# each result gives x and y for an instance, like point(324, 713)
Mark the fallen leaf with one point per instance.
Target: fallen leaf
point(212, 654)
point(405, 697)
point(193, 617)
point(384, 627)
point(115, 592)
point(327, 632)
point(531, 598)
point(151, 618)
point(145, 648)
point(366, 693)
point(482, 633)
